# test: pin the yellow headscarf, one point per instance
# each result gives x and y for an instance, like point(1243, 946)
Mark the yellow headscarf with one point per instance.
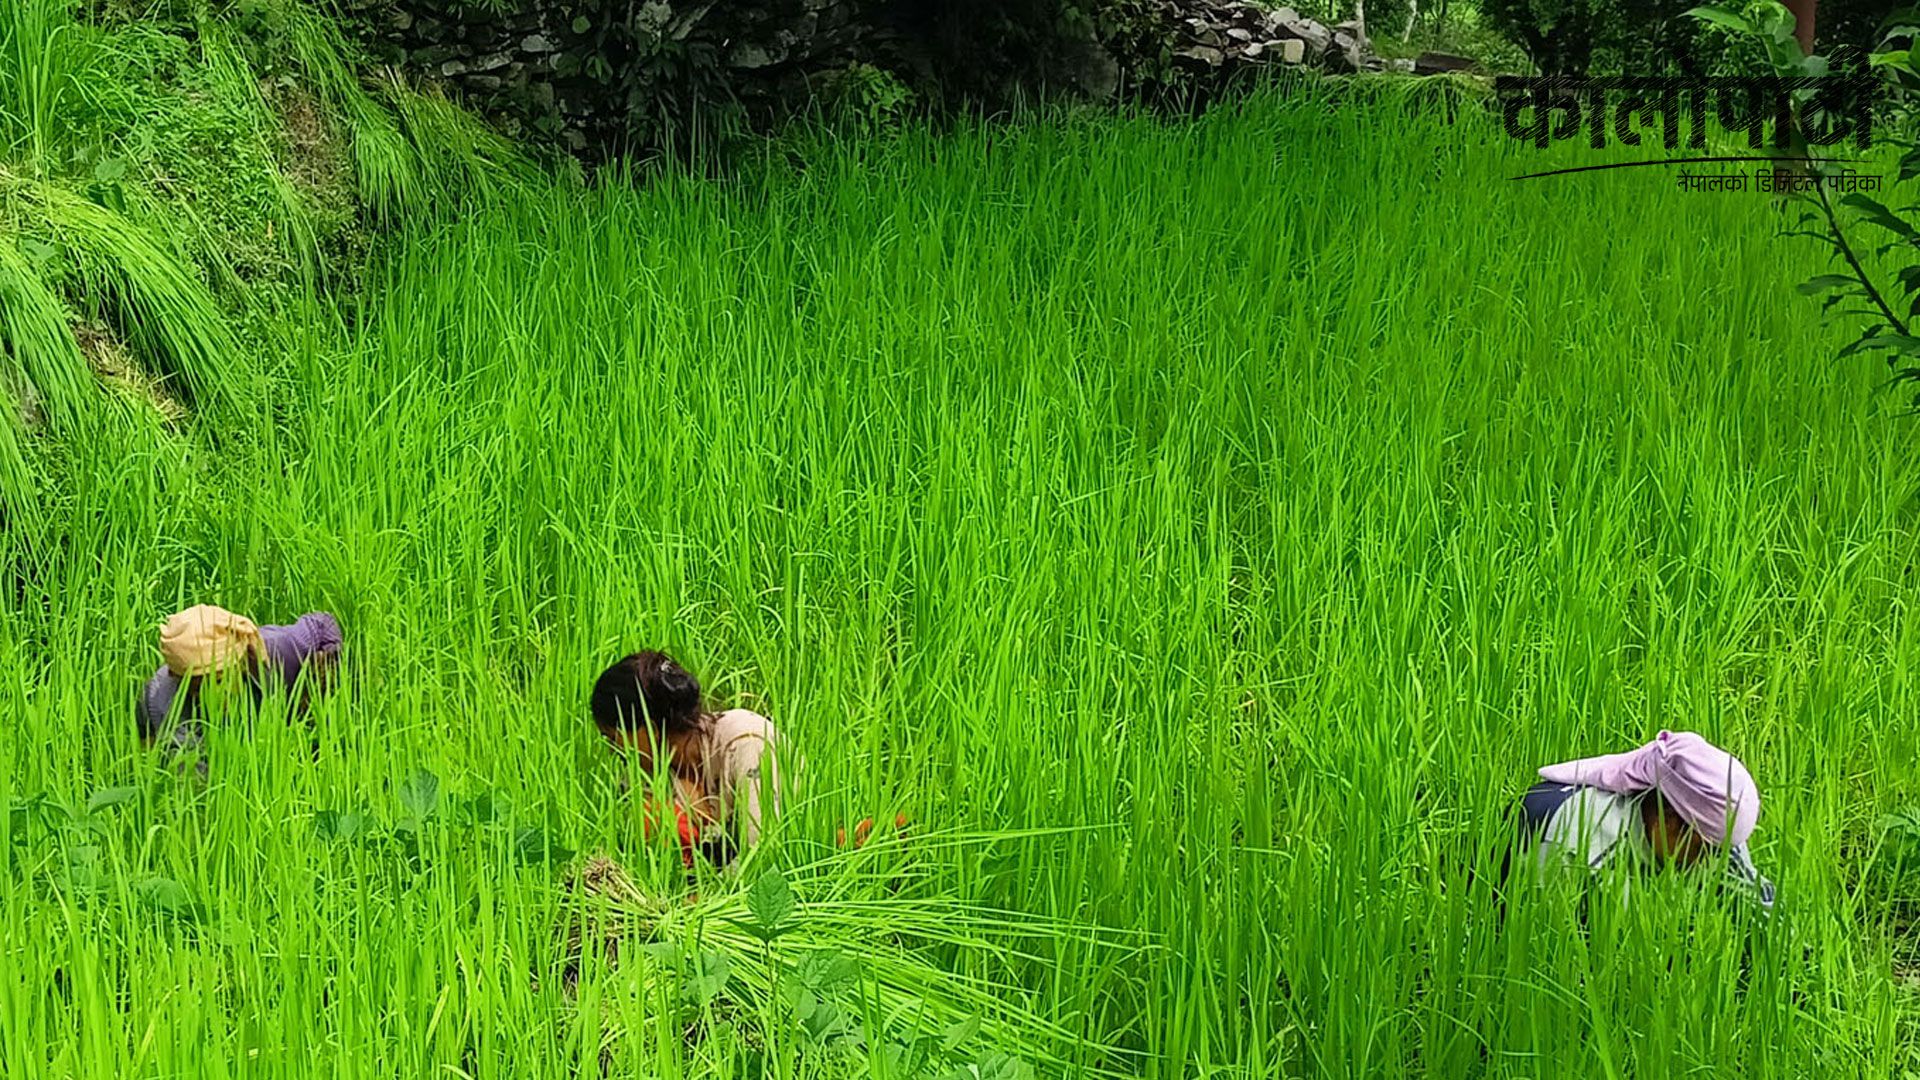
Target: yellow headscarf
point(205, 639)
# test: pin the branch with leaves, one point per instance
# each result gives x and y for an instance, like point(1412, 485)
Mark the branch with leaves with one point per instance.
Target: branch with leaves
point(1889, 309)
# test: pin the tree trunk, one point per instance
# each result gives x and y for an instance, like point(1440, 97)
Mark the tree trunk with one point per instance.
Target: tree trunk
point(1803, 11)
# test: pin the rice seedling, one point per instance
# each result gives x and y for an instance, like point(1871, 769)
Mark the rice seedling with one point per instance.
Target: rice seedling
point(1200, 531)
point(44, 63)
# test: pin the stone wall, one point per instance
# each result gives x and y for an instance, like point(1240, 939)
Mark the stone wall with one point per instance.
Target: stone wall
point(604, 75)
point(596, 73)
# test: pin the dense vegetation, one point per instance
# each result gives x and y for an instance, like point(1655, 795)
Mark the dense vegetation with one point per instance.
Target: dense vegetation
point(1199, 529)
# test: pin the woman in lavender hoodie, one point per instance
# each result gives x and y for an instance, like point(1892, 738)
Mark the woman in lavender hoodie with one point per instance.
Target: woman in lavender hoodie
point(207, 649)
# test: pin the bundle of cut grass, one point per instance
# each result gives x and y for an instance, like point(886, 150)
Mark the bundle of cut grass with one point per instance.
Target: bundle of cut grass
point(903, 979)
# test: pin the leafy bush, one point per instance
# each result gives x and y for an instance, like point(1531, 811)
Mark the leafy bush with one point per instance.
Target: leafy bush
point(1888, 307)
point(1892, 878)
point(1574, 37)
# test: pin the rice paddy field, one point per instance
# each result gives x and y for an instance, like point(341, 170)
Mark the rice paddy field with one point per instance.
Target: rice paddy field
point(1199, 530)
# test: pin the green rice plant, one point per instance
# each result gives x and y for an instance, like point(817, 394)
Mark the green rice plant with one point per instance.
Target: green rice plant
point(42, 68)
point(39, 343)
point(410, 148)
point(164, 311)
point(1201, 531)
point(837, 969)
point(458, 149)
point(227, 67)
point(388, 169)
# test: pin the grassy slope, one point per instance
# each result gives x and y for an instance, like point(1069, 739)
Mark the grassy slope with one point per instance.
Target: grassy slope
point(1266, 496)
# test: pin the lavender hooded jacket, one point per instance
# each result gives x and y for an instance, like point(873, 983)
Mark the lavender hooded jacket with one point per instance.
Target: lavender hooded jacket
point(289, 649)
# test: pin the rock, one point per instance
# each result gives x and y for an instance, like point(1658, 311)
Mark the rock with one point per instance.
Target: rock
point(750, 56)
point(1317, 37)
point(537, 43)
point(1434, 63)
point(1097, 72)
point(1345, 56)
point(1403, 66)
point(688, 18)
point(1210, 56)
point(1238, 34)
point(1293, 52)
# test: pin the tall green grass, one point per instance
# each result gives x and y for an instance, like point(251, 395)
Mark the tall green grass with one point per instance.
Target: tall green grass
point(148, 186)
point(1200, 531)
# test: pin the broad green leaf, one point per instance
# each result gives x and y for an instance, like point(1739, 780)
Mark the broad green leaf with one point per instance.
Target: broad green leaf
point(1875, 211)
point(164, 895)
point(482, 810)
point(1722, 17)
point(826, 970)
point(664, 953)
point(340, 824)
point(1815, 286)
point(709, 976)
point(106, 798)
point(960, 1034)
point(1000, 1066)
point(1910, 164)
point(82, 862)
point(770, 901)
point(420, 793)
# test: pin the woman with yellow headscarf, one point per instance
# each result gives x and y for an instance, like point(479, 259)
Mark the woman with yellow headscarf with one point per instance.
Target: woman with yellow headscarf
point(207, 647)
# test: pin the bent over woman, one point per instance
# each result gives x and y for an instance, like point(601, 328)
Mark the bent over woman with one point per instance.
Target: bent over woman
point(650, 707)
point(206, 649)
point(1676, 801)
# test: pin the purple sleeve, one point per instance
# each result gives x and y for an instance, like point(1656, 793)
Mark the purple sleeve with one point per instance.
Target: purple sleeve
point(156, 701)
point(290, 647)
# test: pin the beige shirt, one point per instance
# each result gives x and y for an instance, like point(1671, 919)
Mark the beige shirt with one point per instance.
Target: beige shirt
point(738, 770)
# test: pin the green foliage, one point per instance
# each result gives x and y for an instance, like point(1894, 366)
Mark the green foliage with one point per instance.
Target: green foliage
point(43, 64)
point(1637, 37)
point(1894, 874)
point(1888, 302)
point(1758, 39)
point(868, 99)
point(172, 175)
point(1559, 36)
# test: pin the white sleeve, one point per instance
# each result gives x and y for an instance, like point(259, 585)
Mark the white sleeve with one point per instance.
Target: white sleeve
point(1590, 828)
point(748, 738)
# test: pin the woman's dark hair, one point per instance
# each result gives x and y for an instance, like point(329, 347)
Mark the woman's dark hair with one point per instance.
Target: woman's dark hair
point(646, 689)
